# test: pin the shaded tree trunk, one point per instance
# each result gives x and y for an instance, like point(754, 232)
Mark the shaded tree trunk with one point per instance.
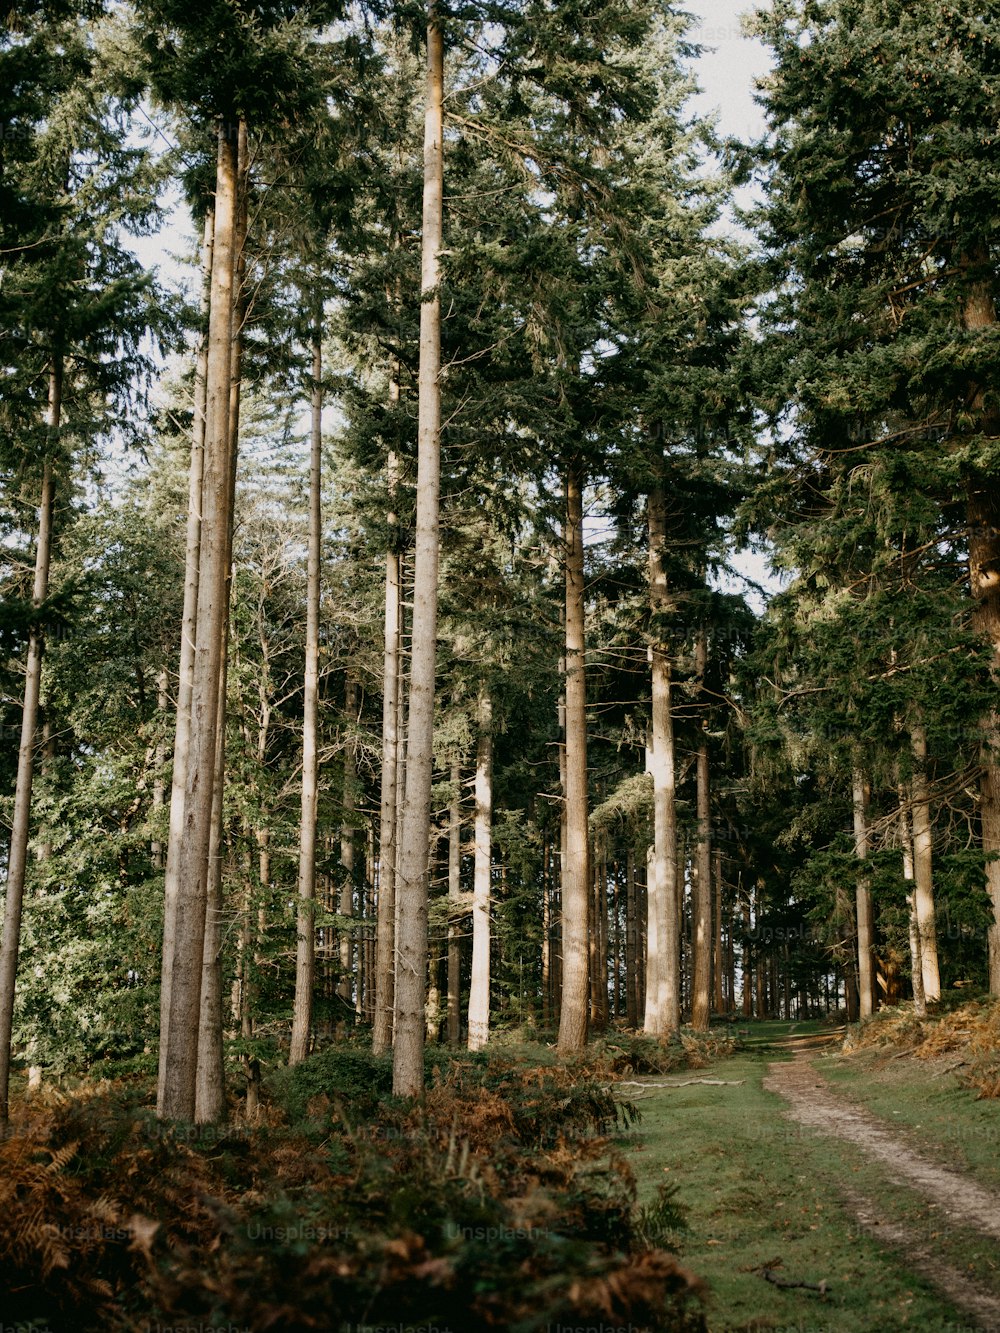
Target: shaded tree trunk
point(701, 899)
point(17, 855)
point(305, 951)
point(865, 918)
point(575, 871)
point(180, 1039)
point(411, 941)
point(454, 905)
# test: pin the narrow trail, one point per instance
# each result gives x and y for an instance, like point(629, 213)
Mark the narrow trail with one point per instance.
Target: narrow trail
point(813, 1104)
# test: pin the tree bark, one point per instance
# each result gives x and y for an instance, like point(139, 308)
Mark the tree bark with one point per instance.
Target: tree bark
point(632, 978)
point(210, 1089)
point(663, 989)
point(718, 951)
point(179, 1041)
point(385, 928)
point(701, 901)
point(305, 952)
point(479, 989)
point(17, 856)
point(916, 962)
point(411, 965)
point(865, 919)
point(983, 507)
point(454, 905)
point(923, 866)
point(575, 873)
point(347, 839)
point(185, 672)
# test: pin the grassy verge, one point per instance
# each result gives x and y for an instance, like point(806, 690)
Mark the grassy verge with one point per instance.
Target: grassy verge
point(757, 1190)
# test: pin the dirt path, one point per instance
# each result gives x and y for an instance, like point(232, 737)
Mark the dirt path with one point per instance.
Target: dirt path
point(813, 1103)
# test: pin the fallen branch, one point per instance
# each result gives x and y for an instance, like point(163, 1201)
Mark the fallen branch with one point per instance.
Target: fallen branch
point(688, 1082)
point(769, 1275)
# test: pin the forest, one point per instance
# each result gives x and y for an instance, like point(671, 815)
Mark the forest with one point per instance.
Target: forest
point(499, 661)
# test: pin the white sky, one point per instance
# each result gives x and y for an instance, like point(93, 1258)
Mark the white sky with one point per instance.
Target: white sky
point(729, 65)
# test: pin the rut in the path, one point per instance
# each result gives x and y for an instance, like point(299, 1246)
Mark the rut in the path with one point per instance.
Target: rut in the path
point(814, 1104)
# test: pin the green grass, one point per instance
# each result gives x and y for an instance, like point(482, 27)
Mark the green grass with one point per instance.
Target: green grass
point(758, 1189)
point(938, 1116)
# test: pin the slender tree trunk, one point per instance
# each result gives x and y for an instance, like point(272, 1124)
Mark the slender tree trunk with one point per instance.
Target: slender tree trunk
point(747, 961)
point(983, 504)
point(865, 919)
point(701, 902)
point(386, 905)
point(185, 674)
point(305, 955)
point(180, 1039)
point(411, 952)
point(663, 990)
point(719, 957)
point(575, 876)
point(632, 980)
point(454, 905)
point(17, 856)
point(156, 847)
point(923, 865)
point(479, 989)
point(347, 838)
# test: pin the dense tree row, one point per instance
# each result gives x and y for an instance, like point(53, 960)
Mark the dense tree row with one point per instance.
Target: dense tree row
point(402, 676)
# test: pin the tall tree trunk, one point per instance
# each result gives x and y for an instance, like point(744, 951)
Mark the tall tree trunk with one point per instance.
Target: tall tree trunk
point(185, 672)
point(305, 952)
point(479, 989)
point(663, 988)
point(210, 1089)
point(575, 874)
point(983, 507)
point(865, 918)
point(347, 839)
point(923, 865)
point(701, 901)
point(180, 1039)
point(17, 855)
point(156, 847)
point(411, 943)
point(385, 928)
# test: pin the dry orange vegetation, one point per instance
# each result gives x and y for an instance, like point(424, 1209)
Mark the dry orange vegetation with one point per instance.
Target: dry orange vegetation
point(970, 1032)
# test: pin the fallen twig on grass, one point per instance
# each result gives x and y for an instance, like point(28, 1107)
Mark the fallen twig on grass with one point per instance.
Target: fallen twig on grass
point(712, 1082)
point(769, 1275)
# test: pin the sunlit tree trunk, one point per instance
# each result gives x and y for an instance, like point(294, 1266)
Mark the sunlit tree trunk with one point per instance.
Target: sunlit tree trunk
point(718, 950)
point(923, 865)
point(663, 980)
point(575, 872)
point(305, 953)
point(411, 942)
point(916, 961)
point(185, 672)
point(17, 856)
point(479, 989)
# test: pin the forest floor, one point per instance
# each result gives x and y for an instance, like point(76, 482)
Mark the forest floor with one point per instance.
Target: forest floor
point(826, 1191)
